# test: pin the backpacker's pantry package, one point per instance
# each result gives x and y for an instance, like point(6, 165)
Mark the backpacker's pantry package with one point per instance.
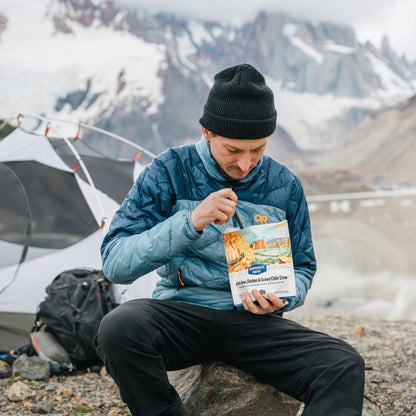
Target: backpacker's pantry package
point(260, 257)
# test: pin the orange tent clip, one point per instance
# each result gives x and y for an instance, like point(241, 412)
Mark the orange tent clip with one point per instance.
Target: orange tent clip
point(78, 132)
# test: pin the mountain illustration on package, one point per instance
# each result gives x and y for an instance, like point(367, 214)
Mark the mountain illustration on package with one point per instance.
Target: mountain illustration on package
point(260, 257)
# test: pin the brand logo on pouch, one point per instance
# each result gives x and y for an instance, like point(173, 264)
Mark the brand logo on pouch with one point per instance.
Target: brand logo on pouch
point(260, 218)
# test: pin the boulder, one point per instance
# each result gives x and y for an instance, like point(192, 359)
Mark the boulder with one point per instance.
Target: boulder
point(214, 389)
point(31, 368)
point(18, 392)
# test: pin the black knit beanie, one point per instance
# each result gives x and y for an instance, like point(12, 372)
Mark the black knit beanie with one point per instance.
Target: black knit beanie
point(240, 105)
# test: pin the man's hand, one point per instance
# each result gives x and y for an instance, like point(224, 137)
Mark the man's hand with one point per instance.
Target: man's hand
point(263, 306)
point(218, 207)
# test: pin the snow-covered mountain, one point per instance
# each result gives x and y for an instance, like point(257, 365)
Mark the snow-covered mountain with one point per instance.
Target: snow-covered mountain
point(379, 153)
point(146, 77)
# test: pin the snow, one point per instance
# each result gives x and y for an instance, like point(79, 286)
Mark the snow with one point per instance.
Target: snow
point(307, 50)
point(199, 33)
point(289, 30)
point(36, 68)
point(197, 36)
point(389, 79)
point(231, 36)
point(185, 49)
point(305, 116)
point(337, 48)
point(185, 46)
point(38, 65)
point(229, 33)
point(217, 32)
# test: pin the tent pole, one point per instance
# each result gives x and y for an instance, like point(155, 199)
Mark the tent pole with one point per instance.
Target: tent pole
point(50, 125)
point(86, 172)
point(28, 232)
point(88, 126)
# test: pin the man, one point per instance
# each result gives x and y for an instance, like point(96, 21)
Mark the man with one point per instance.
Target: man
point(172, 220)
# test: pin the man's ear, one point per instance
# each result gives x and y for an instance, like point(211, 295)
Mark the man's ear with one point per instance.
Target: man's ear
point(206, 133)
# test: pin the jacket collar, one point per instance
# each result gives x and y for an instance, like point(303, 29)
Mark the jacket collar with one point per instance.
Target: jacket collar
point(204, 153)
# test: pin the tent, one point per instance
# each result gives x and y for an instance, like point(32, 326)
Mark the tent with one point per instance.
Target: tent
point(53, 217)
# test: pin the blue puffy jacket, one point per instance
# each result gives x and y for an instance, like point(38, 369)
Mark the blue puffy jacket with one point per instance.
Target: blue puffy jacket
point(153, 228)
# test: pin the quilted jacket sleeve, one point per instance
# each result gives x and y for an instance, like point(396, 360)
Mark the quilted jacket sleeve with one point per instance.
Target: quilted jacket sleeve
point(144, 234)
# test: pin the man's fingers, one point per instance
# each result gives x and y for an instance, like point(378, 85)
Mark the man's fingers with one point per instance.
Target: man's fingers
point(263, 305)
point(275, 300)
point(228, 193)
point(221, 217)
point(218, 207)
point(248, 303)
point(223, 210)
point(250, 306)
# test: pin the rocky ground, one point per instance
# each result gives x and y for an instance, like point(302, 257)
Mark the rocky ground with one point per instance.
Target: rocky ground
point(389, 349)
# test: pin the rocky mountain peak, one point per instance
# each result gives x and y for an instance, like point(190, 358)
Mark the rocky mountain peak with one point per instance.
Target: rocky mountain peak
point(84, 12)
point(3, 23)
point(146, 76)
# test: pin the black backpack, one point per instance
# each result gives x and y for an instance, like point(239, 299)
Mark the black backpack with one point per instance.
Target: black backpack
point(76, 302)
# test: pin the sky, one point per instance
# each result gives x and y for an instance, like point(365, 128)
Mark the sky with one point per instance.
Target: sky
point(371, 19)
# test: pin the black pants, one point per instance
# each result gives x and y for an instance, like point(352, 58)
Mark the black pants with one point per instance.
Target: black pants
point(142, 339)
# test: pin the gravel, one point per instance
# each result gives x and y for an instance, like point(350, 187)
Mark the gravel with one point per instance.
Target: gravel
point(389, 351)
point(87, 393)
point(388, 347)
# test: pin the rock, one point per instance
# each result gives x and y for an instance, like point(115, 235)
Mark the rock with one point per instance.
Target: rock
point(41, 408)
point(31, 368)
point(388, 348)
point(5, 370)
point(359, 330)
point(18, 392)
point(218, 389)
point(371, 409)
point(103, 372)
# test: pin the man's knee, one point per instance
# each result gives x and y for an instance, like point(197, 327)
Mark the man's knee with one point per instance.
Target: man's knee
point(357, 363)
point(346, 362)
point(122, 325)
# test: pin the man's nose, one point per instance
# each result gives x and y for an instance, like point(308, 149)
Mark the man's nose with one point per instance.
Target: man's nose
point(244, 162)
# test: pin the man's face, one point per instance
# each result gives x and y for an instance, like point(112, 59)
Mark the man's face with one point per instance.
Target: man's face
point(235, 158)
